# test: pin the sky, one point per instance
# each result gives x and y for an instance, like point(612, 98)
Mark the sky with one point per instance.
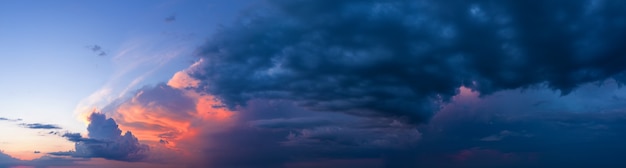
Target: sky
point(312, 83)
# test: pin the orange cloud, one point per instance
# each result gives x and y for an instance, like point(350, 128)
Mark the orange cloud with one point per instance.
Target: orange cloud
point(172, 117)
point(182, 80)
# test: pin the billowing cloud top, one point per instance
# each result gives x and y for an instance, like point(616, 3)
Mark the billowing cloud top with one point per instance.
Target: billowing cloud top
point(106, 141)
point(403, 58)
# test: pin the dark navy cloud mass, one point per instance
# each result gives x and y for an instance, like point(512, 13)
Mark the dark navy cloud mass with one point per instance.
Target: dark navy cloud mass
point(420, 83)
point(404, 58)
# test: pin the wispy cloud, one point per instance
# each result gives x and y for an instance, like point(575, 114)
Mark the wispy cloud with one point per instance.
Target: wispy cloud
point(97, 49)
point(170, 18)
point(12, 120)
point(39, 126)
point(136, 62)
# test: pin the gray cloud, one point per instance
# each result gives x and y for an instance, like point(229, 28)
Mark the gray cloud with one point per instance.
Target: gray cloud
point(40, 126)
point(404, 58)
point(275, 133)
point(505, 130)
point(503, 134)
point(170, 18)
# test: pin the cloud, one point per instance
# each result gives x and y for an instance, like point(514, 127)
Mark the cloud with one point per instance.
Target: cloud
point(6, 160)
point(40, 126)
point(477, 157)
point(97, 49)
point(7, 119)
point(405, 58)
point(506, 130)
point(45, 161)
point(76, 137)
point(105, 140)
point(172, 119)
point(186, 126)
point(170, 18)
point(274, 133)
point(502, 135)
point(354, 83)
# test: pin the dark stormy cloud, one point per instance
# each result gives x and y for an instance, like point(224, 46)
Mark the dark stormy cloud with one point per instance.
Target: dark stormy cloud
point(279, 133)
point(505, 130)
point(404, 58)
point(500, 130)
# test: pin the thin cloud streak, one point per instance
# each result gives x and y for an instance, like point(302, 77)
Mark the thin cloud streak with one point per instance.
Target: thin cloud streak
point(40, 126)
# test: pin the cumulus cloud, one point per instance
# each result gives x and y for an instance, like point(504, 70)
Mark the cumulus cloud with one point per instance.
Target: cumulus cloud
point(105, 140)
point(172, 119)
point(168, 113)
point(403, 58)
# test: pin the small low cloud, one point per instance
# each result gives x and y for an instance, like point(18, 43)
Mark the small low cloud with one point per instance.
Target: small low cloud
point(8, 119)
point(97, 49)
point(40, 126)
point(170, 18)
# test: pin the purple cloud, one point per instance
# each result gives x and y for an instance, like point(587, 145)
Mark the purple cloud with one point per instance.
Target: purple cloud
point(105, 141)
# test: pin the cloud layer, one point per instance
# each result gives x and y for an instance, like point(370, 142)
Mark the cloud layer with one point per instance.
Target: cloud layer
point(403, 58)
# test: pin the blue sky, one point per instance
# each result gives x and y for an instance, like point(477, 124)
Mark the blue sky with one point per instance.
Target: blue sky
point(50, 70)
point(312, 83)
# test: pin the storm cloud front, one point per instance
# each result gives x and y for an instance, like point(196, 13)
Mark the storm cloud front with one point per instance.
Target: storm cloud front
point(407, 58)
point(398, 84)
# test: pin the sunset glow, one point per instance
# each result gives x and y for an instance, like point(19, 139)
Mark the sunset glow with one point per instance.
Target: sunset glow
point(312, 83)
